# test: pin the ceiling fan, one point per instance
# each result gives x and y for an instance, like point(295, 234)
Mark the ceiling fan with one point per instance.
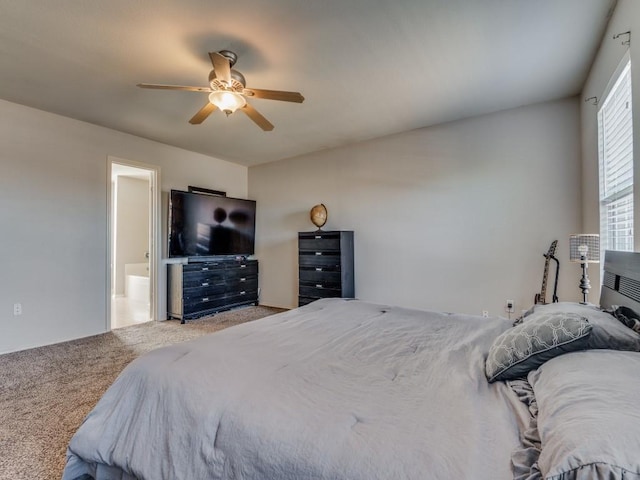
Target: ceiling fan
point(227, 91)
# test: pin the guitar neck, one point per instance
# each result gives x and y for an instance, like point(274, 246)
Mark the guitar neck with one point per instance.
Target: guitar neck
point(543, 290)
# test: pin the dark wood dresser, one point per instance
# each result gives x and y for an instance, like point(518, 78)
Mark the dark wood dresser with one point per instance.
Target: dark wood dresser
point(325, 265)
point(204, 288)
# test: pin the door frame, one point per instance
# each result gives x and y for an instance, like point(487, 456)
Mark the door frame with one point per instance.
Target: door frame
point(154, 235)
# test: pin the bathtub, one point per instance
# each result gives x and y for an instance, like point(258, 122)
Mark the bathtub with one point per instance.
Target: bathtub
point(136, 283)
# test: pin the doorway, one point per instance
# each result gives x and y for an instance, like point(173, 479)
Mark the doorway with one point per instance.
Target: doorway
point(133, 230)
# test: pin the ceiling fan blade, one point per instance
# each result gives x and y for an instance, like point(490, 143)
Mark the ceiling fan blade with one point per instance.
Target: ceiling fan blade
point(257, 117)
point(174, 87)
point(274, 95)
point(202, 114)
point(221, 67)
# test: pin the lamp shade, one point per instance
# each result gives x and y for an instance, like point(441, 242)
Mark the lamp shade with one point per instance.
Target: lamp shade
point(227, 101)
point(584, 248)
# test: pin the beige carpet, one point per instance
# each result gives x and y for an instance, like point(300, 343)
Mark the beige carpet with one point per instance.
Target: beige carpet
point(46, 392)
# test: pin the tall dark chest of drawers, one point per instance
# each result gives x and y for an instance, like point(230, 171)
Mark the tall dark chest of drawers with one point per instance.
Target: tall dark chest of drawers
point(325, 265)
point(204, 288)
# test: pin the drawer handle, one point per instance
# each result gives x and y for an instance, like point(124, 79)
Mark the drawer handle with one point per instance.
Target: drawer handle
point(243, 292)
point(318, 253)
point(204, 269)
point(243, 266)
point(205, 284)
point(318, 285)
point(318, 269)
point(243, 279)
point(206, 299)
point(318, 236)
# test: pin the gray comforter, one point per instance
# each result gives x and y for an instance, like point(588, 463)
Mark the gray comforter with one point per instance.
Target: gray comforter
point(334, 390)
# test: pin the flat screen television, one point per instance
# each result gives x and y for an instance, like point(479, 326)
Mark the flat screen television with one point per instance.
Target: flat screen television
point(202, 225)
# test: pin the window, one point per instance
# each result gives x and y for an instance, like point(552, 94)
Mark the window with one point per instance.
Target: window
point(615, 151)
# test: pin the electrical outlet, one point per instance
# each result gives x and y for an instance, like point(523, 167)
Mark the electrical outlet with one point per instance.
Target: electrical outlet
point(509, 306)
point(485, 313)
point(17, 309)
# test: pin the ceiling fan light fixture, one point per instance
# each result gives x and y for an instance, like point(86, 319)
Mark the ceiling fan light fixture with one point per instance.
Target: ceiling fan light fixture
point(228, 102)
point(227, 91)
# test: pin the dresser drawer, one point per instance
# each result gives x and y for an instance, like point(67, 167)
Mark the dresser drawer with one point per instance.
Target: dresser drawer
point(319, 292)
point(210, 304)
point(202, 304)
point(196, 293)
point(203, 278)
point(331, 279)
point(203, 267)
point(319, 259)
point(242, 283)
point(242, 270)
point(243, 296)
point(320, 243)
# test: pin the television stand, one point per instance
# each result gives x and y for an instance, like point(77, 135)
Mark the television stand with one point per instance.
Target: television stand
point(202, 288)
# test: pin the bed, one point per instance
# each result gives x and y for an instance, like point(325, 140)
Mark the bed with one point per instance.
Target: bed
point(344, 389)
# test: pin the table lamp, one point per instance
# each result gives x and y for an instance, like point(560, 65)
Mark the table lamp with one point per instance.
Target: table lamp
point(584, 249)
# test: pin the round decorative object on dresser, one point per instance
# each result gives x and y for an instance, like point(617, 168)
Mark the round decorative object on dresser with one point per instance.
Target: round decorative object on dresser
point(318, 215)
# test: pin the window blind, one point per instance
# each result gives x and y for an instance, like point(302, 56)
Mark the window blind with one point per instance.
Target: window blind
point(615, 132)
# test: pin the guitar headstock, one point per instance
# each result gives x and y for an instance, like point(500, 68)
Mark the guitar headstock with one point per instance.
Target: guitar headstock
point(552, 249)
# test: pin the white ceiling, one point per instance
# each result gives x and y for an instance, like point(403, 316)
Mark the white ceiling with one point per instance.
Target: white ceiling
point(367, 68)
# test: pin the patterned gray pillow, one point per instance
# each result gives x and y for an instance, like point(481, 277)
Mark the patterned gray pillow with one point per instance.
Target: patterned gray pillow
point(608, 332)
point(527, 346)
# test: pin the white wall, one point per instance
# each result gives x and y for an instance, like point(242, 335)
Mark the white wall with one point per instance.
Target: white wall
point(625, 18)
point(454, 217)
point(53, 218)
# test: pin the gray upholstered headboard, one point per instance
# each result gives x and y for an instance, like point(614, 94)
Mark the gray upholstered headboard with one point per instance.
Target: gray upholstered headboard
point(621, 281)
